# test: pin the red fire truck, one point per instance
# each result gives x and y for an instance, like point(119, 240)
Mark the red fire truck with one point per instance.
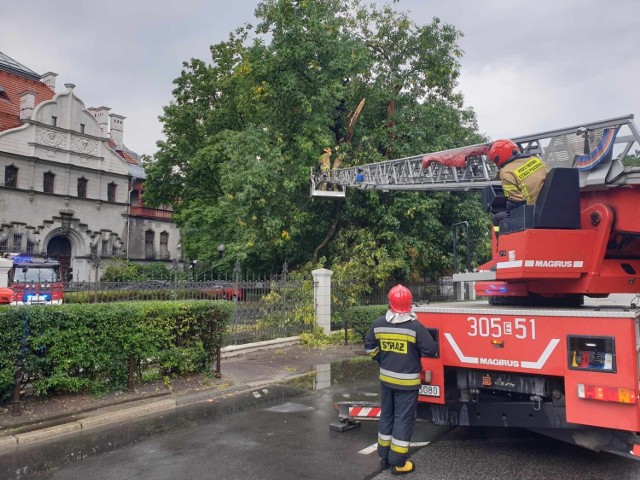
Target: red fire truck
point(35, 280)
point(556, 348)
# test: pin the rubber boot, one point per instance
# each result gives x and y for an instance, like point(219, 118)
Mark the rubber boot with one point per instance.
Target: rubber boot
point(384, 463)
point(408, 467)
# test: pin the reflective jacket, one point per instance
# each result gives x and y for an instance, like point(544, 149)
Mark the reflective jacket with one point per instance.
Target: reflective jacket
point(522, 179)
point(398, 347)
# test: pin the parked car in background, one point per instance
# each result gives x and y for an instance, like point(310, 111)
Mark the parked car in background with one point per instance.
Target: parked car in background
point(224, 292)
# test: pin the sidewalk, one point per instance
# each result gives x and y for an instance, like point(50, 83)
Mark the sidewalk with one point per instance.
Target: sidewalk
point(242, 369)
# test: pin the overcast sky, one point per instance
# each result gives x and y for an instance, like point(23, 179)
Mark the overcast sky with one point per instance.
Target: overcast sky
point(528, 66)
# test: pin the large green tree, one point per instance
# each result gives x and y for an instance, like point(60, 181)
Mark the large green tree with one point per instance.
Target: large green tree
point(243, 131)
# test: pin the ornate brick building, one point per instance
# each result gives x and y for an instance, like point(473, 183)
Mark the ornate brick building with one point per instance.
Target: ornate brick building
point(68, 184)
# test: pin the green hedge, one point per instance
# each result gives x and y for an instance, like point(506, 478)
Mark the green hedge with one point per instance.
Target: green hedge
point(73, 348)
point(359, 319)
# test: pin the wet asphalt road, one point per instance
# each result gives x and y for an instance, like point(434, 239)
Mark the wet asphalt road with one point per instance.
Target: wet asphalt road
point(270, 434)
point(513, 454)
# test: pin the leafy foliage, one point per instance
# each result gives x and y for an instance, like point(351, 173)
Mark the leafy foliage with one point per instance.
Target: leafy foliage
point(124, 271)
point(317, 338)
point(243, 131)
point(360, 318)
point(72, 348)
point(632, 159)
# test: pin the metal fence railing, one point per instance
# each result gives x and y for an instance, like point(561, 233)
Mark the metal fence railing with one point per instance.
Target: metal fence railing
point(262, 309)
point(284, 308)
point(423, 292)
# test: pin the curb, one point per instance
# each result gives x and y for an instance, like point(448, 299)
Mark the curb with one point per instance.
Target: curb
point(86, 423)
point(130, 413)
point(236, 350)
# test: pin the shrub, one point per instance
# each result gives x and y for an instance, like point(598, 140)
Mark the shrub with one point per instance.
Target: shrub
point(72, 348)
point(125, 271)
point(317, 338)
point(360, 319)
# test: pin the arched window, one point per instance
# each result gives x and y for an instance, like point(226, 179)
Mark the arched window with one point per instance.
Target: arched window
point(148, 244)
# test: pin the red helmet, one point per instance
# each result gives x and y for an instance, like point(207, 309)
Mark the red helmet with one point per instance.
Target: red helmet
point(400, 299)
point(502, 150)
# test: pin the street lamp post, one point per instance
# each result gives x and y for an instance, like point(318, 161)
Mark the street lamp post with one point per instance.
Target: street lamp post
point(95, 263)
point(220, 248)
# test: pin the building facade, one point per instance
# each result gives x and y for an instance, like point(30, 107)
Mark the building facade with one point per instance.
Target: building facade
point(69, 187)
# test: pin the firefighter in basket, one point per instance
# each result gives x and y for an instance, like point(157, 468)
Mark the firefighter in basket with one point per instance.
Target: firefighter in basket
point(397, 341)
point(521, 176)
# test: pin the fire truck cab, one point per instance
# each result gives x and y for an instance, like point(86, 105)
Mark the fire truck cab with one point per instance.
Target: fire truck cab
point(35, 280)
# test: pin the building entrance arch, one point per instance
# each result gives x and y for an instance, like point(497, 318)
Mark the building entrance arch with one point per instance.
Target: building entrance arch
point(59, 247)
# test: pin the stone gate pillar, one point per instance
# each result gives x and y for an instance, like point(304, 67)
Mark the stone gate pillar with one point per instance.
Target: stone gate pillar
point(5, 266)
point(322, 298)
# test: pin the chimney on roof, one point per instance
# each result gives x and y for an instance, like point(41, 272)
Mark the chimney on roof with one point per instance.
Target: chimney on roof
point(49, 79)
point(102, 116)
point(27, 104)
point(116, 129)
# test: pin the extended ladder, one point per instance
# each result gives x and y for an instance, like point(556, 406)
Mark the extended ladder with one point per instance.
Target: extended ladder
point(596, 148)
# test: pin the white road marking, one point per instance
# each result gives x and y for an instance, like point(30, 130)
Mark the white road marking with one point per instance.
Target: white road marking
point(369, 449)
point(372, 448)
point(419, 444)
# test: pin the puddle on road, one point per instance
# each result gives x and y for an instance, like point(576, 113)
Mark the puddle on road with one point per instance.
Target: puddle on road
point(345, 372)
point(290, 408)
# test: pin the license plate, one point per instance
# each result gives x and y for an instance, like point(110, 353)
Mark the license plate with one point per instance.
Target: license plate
point(37, 299)
point(430, 390)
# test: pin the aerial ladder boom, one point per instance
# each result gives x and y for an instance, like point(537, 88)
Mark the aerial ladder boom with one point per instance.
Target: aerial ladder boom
point(468, 168)
point(582, 237)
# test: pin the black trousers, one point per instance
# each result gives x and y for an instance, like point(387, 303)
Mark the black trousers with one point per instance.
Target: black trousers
point(500, 216)
point(397, 420)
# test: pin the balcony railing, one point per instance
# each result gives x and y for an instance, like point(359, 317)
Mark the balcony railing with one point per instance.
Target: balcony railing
point(150, 212)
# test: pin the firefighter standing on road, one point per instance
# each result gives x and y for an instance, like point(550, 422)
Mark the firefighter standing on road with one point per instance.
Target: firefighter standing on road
point(521, 176)
point(397, 341)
